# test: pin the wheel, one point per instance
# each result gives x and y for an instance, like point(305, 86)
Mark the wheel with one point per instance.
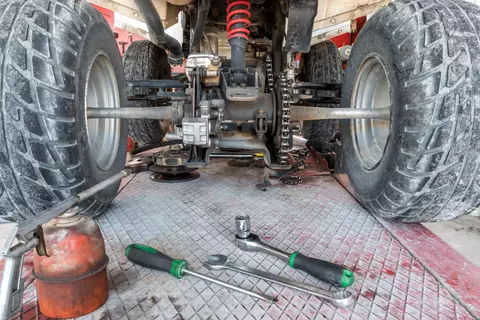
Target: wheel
point(322, 65)
point(56, 59)
point(422, 163)
point(144, 60)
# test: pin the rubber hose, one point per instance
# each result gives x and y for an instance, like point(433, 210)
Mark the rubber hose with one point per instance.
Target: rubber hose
point(156, 145)
point(203, 10)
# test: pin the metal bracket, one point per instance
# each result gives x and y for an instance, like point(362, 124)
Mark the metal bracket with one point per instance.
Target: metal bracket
point(261, 124)
point(301, 16)
point(308, 92)
point(155, 90)
point(248, 90)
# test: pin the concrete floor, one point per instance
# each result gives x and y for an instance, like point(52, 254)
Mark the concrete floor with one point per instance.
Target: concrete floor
point(462, 234)
point(318, 217)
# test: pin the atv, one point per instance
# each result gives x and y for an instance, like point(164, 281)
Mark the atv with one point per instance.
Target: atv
point(406, 106)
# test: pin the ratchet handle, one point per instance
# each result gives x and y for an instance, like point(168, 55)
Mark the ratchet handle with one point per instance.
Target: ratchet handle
point(151, 258)
point(322, 270)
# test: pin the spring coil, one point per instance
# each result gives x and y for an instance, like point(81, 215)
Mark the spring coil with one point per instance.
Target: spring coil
point(236, 15)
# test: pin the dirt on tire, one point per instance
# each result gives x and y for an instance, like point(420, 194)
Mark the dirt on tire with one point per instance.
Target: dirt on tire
point(44, 151)
point(429, 170)
point(322, 65)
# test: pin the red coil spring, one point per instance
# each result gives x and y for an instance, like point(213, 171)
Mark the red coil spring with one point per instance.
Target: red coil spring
point(234, 32)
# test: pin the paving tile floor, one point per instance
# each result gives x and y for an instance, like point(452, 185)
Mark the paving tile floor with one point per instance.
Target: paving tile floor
point(318, 218)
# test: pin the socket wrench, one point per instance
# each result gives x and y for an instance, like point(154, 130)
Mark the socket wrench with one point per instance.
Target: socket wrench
point(341, 299)
point(320, 269)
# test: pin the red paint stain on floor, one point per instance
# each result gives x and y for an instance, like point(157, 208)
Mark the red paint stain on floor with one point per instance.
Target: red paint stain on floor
point(453, 280)
point(370, 295)
point(389, 272)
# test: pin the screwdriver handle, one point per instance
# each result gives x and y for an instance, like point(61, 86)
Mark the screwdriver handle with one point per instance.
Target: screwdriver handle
point(322, 270)
point(149, 257)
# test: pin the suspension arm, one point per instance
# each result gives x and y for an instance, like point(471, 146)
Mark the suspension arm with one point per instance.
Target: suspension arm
point(302, 113)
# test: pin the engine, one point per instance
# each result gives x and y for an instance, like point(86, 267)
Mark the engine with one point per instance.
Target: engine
point(241, 69)
point(233, 107)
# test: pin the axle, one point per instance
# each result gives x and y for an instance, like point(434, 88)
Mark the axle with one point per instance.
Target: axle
point(297, 113)
point(301, 113)
point(160, 113)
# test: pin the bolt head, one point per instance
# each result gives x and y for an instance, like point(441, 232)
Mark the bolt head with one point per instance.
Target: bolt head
point(216, 61)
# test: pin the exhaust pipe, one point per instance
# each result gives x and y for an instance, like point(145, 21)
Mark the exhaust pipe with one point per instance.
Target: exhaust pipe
point(157, 33)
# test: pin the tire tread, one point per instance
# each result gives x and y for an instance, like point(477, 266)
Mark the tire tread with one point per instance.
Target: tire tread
point(437, 175)
point(323, 65)
point(33, 128)
point(144, 60)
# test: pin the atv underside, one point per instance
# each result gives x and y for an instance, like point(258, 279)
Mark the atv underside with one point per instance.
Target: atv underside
point(403, 114)
point(241, 78)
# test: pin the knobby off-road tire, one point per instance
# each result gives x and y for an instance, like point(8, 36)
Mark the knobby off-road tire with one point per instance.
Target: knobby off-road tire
point(429, 167)
point(46, 51)
point(144, 60)
point(322, 65)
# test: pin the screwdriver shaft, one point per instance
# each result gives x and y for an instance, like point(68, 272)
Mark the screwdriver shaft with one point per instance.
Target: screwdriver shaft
point(228, 285)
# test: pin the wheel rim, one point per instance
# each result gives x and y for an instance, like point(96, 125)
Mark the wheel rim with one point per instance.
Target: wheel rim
point(102, 92)
point(372, 90)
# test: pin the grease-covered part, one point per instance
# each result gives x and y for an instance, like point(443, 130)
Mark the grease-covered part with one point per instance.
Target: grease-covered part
point(301, 16)
point(174, 178)
point(179, 2)
point(72, 279)
point(139, 164)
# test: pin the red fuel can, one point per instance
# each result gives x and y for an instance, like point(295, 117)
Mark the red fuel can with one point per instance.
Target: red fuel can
point(72, 280)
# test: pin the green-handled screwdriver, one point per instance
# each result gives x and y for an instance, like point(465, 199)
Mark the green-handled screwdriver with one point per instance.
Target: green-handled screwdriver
point(151, 258)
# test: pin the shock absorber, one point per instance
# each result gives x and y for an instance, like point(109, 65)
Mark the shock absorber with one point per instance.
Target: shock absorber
point(237, 23)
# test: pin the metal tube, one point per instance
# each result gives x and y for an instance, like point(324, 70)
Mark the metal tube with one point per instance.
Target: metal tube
point(157, 33)
point(11, 286)
point(228, 285)
point(160, 113)
point(11, 282)
point(231, 155)
point(26, 228)
point(301, 113)
point(172, 136)
point(238, 46)
point(102, 185)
